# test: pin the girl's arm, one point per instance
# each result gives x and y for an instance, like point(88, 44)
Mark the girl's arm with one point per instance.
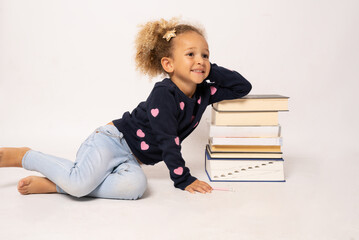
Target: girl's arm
point(226, 84)
point(162, 111)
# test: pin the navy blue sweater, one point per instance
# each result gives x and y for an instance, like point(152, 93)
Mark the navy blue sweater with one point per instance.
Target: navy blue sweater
point(155, 128)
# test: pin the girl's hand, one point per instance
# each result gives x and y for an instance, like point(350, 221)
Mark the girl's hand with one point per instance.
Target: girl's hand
point(199, 186)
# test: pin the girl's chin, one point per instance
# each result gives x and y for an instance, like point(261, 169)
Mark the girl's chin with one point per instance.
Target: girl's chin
point(200, 80)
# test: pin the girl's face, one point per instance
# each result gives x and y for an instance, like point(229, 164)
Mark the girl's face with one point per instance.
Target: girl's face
point(190, 59)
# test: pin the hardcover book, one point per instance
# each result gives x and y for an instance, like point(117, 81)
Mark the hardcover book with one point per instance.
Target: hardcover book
point(244, 131)
point(246, 141)
point(243, 154)
point(261, 102)
point(244, 118)
point(244, 148)
point(244, 170)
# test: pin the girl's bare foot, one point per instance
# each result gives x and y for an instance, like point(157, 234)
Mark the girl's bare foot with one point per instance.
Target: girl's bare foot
point(34, 184)
point(12, 157)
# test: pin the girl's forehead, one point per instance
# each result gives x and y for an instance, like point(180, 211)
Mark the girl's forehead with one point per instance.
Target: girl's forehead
point(190, 40)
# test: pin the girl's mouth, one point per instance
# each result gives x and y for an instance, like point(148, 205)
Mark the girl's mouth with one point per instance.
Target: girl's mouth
point(197, 71)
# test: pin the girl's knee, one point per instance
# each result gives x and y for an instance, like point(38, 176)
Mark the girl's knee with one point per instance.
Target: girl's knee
point(78, 192)
point(133, 188)
point(137, 188)
point(78, 189)
point(142, 186)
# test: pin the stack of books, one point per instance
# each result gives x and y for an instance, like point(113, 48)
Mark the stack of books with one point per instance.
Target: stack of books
point(245, 139)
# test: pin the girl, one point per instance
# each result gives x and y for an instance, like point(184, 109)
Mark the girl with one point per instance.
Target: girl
point(108, 163)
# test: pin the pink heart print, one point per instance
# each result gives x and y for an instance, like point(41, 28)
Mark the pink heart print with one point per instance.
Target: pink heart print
point(177, 140)
point(140, 133)
point(199, 100)
point(155, 112)
point(182, 105)
point(213, 90)
point(178, 171)
point(144, 146)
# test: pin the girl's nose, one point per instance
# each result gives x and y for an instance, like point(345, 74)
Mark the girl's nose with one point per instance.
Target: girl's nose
point(199, 61)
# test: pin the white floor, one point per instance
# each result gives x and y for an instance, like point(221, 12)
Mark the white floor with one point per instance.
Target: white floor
point(318, 201)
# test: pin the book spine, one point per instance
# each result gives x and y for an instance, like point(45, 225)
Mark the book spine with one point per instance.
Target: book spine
point(244, 118)
point(244, 148)
point(247, 141)
point(244, 131)
point(251, 170)
point(253, 103)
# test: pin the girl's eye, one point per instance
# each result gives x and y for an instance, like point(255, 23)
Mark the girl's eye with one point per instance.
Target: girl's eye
point(190, 54)
point(205, 56)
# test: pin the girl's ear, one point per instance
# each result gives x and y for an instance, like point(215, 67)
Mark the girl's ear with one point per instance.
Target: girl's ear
point(167, 64)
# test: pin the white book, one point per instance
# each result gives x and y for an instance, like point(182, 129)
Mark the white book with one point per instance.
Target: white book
point(244, 131)
point(246, 170)
point(244, 118)
point(276, 141)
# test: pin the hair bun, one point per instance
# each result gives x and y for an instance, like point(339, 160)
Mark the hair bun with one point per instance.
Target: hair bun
point(150, 32)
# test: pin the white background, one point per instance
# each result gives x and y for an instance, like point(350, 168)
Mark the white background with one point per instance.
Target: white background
point(67, 67)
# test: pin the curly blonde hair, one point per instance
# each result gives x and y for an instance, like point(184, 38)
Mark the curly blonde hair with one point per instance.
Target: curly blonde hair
point(151, 47)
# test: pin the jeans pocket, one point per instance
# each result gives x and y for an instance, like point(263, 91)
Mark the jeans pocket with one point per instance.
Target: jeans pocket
point(110, 130)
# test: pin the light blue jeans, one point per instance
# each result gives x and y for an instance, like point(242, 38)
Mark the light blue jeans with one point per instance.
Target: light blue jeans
point(105, 168)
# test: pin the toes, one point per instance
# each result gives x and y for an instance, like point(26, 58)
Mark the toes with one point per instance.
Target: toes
point(23, 184)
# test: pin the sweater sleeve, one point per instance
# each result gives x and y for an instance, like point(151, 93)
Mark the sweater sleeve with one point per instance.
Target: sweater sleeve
point(162, 110)
point(226, 84)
